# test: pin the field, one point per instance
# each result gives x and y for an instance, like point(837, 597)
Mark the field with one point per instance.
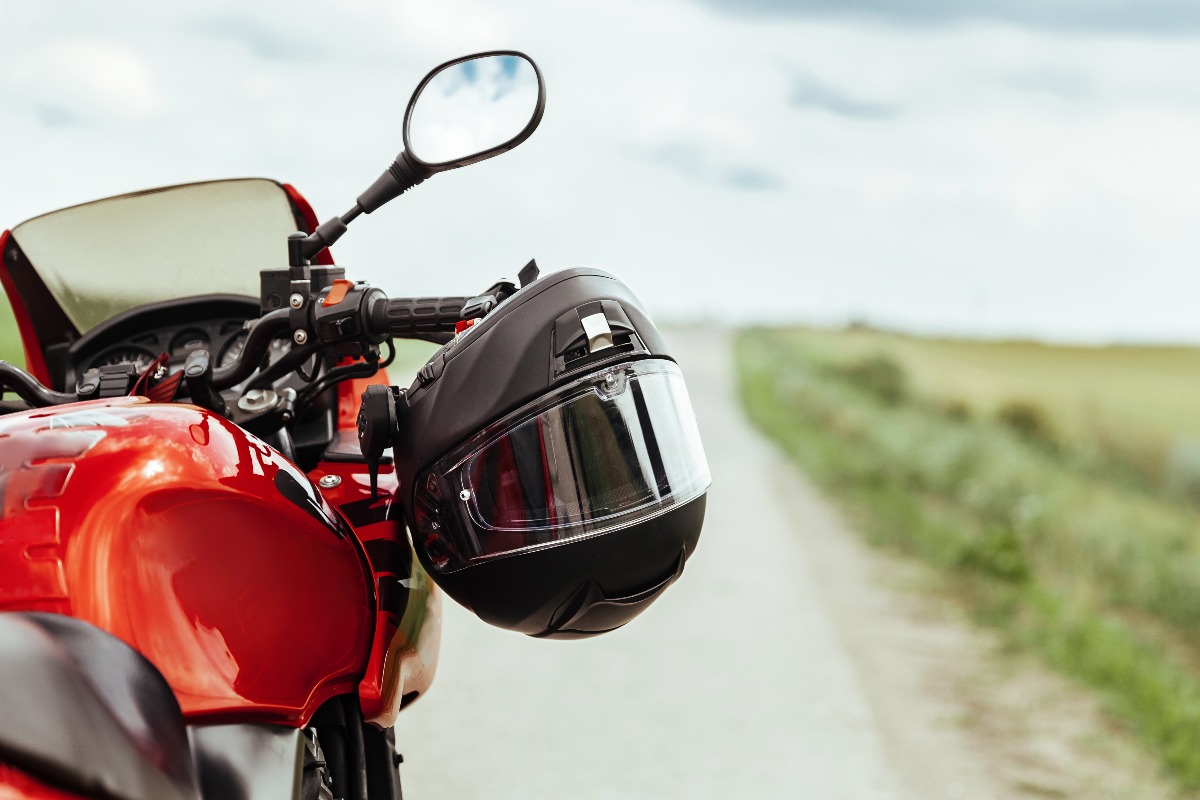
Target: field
point(10, 339)
point(1055, 488)
point(1140, 403)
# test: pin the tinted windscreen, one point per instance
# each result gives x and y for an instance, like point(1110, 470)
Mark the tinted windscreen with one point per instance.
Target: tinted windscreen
point(105, 257)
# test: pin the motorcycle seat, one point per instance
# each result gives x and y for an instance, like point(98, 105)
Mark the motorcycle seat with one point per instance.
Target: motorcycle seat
point(85, 713)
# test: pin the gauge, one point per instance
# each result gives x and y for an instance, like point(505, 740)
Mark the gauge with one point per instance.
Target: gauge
point(136, 356)
point(186, 341)
point(233, 350)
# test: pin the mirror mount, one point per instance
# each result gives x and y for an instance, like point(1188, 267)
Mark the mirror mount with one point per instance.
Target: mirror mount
point(408, 170)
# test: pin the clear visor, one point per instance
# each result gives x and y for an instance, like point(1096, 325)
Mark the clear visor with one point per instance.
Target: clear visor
point(612, 449)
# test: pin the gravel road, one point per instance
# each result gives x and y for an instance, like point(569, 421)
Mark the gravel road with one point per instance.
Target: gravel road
point(781, 665)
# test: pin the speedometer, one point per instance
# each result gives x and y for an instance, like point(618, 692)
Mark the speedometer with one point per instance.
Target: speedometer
point(136, 356)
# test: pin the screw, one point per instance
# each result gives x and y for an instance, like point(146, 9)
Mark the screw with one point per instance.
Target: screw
point(464, 495)
point(300, 336)
point(329, 481)
point(296, 300)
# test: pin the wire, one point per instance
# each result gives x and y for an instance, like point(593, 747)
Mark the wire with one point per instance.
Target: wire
point(359, 369)
point(315, 371)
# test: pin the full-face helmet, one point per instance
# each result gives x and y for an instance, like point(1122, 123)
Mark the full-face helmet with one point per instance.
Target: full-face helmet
point(551, 464)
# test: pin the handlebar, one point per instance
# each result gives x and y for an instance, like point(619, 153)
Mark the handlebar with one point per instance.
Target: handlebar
point(27, 387)
point(380, 317)
point(414, 316)
point(257, 341)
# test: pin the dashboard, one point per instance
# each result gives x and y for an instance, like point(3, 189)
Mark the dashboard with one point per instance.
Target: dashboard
point(223, 337)
point(177, 327)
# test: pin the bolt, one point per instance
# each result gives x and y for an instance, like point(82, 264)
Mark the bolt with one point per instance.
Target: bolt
point(300, 336)
point(329, 481)
point(296, 300)
point(464, 495)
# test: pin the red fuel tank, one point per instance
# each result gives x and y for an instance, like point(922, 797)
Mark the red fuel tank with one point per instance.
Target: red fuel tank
point(194, 542)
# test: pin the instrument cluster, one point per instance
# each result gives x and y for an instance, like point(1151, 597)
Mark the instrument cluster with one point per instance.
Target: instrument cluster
point(223, 339)
point(176, 328)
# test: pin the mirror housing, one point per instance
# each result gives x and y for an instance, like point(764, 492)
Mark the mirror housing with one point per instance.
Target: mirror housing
point(407, 170)
point(479, 101)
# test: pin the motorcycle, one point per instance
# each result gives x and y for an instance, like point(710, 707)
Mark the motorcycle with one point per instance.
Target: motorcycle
point(226, 533)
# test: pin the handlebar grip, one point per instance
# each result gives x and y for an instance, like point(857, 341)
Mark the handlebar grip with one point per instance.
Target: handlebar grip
point(408, 316)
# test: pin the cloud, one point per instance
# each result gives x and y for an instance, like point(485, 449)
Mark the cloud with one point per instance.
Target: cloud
point(261, 40)
point(67, 80)
point(1163, 17)
point(809, 92)
point(693, 162)
point(53, 116)
point(1061, 83)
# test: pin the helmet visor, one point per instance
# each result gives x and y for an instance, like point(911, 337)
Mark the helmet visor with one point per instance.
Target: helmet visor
point(611, 449)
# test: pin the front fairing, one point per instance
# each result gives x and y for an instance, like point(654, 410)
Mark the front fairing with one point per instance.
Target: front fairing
point(396, 653)
point(70, 270)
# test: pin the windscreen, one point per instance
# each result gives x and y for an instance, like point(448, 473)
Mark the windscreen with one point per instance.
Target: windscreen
point(104, 257)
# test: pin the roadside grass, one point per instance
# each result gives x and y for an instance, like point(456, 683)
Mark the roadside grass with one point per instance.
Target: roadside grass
point(1116, 406)
point(10, 337)
point(1081, 555)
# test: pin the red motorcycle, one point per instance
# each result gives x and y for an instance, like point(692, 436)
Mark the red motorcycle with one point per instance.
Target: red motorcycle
point(224, 530)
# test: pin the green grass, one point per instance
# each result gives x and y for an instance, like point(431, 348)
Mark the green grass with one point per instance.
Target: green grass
point(1073, 549)
point(410, 357)
point(10, 338)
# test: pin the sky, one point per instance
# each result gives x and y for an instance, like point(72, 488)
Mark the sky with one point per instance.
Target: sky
point(980, 167)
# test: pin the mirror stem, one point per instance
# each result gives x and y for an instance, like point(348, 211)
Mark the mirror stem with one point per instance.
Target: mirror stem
point(304, 249)
point(402, 175)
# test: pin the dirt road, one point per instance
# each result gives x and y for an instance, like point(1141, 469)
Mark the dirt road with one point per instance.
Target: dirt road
point(788, 662)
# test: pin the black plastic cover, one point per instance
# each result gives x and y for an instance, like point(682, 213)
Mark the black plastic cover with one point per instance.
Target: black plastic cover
point(83, 711)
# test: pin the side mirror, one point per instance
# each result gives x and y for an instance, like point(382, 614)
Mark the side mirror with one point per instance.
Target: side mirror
point(464, 111)
point(473, 108)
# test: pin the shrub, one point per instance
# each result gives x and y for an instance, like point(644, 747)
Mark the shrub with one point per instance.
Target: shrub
point(955, 409)
point(879, 375)
point(1028, 420)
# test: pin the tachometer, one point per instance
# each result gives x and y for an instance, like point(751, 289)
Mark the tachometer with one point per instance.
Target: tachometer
point(233, 350)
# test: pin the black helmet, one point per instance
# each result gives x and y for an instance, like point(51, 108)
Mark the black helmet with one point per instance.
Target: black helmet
point(554, 476)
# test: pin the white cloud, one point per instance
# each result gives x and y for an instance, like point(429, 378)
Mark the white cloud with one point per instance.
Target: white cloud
point(83, 77)
point(1019, 181)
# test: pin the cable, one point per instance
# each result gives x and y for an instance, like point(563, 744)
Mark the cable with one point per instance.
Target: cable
point(359, 369)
